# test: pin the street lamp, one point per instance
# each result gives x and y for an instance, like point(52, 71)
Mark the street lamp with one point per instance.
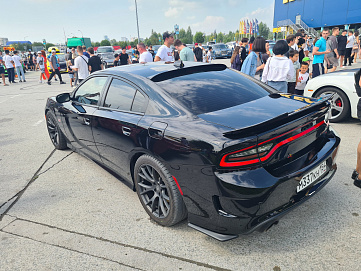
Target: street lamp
point(136, 13)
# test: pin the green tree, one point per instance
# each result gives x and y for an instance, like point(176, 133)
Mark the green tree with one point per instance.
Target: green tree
point(189, 36)
point(105, 43)
point(36, 43)
point(220, 37)
point(49, 45)
point(263, 30)
point(198, 37)
point(182, 34)
point(154, 38)
point(123, 44)
point(97, 44)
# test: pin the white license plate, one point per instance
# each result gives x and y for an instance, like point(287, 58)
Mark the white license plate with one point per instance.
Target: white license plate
point(312, 176)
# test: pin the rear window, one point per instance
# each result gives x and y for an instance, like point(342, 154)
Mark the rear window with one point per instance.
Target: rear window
point(212, 91)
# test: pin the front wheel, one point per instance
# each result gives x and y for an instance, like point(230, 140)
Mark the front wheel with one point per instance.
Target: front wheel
point(56, 135)
point(158, 192)
point(340, 105)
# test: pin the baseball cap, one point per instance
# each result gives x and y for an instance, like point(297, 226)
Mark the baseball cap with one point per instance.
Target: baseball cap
point(167, 35)
point(306, 59)
point(196, 43)
point(39, 52)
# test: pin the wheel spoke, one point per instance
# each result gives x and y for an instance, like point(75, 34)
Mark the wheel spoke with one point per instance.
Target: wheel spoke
point(153, 205)
point(338, 108)
point(146, 175)
point(165, 196)
point(162, 207)
point(148, 187)
point(335, 97)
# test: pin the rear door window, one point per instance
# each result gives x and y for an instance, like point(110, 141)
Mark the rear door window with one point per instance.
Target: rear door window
point(120, 95)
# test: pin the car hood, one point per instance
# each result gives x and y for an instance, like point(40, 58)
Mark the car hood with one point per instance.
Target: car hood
point(258, 111)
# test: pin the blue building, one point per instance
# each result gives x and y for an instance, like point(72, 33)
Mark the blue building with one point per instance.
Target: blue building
point(316, 14)
point(18, 41)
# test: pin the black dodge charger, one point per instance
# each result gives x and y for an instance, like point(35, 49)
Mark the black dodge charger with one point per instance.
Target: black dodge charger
point(200, 141)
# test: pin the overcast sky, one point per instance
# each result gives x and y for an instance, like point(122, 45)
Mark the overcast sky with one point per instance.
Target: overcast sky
point(35, 20)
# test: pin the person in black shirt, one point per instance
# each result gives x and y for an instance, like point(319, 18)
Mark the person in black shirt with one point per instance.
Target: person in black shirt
point(243, 50)
point(124, 58)
point(94, 63)
point(341, 46)
point(116, 60)
point(198, 53)
point(150, 50)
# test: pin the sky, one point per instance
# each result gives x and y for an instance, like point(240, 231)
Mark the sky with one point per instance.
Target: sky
point(36, 20)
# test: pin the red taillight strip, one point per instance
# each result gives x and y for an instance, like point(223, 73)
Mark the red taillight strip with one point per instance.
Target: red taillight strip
point(223, 162)
point(180, 190)
point(288, 140)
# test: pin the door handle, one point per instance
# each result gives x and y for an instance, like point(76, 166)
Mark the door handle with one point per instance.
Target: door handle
point(86, 121)
point(126, 131)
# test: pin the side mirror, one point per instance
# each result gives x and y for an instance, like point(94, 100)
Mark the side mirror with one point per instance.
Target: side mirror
point(63, 98)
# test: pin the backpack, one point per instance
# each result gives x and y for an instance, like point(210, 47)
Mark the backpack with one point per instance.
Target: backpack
point(357, 83)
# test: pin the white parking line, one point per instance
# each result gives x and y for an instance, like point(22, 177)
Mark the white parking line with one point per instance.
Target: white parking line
point(38, 122)
point(12, 97)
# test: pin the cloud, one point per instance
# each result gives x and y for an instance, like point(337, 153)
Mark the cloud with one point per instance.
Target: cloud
point(210, 24)
point(262, 15)
point(172, 12)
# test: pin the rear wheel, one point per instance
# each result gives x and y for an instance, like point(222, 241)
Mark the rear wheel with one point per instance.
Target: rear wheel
point(158, 192)
point(56, 135)
point(340, 105)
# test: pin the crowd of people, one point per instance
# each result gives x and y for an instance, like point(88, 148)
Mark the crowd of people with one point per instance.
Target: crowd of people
point(289, 68)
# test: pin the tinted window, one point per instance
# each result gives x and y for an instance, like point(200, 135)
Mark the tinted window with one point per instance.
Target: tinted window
point(212, 91)
point(89, 92)
point(139, 103)
point(120, 95)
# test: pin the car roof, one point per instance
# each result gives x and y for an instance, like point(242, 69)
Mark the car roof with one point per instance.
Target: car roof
point(159, 71)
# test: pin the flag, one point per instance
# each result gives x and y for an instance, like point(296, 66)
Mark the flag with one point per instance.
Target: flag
point(241, 29)
point(257, 28)
point(250, 27)
point(247, 28)
point(244, 27)
point(254, 27)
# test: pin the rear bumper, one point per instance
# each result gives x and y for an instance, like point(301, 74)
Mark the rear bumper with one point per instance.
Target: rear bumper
point(254, 200)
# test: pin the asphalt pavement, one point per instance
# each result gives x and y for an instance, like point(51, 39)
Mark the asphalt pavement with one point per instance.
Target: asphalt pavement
point(61, 211)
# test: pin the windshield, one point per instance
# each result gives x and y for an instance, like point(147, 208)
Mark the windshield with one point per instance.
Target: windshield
point(61, 58)
point(221, 46)
point(212, 91)
point(105, 50)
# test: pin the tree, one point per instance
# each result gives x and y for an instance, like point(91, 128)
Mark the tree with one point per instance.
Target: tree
point(49, 45)
point(189, 36)
point(220, 37)
point(105, 43)
point(97, 44)
point(182, 34)
point(113, 42)
point(198, 37)
point(36, 43)
point(154, 38)
point(263, 30)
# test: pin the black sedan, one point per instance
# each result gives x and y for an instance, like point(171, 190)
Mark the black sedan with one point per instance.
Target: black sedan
point(200, 141)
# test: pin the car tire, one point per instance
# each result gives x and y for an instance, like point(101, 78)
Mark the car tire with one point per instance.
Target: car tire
point(56, 135)
point(340, 105)
point(158, 192)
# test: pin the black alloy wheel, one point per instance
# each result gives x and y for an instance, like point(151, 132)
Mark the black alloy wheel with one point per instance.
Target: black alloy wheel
point(158, 192)
point(340, 105)
point(56, 135)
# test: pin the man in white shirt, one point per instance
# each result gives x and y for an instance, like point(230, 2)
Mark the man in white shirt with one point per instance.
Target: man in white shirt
point(18, 67)
point(349, 46)
point(81, 65)
point(9, 65)
point(145, 56)
point(165, 52)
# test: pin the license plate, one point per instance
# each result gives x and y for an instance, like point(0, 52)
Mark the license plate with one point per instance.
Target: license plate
point(312, 176)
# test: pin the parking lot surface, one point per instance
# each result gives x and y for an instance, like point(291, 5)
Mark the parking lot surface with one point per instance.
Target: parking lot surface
point(61, 211)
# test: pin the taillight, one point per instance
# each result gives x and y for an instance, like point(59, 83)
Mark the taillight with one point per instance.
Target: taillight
point(261, 152)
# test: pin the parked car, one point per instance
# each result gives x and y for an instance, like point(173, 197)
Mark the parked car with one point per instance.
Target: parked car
point(202, 142)
point(106, 54)
point(221, 50)
point(341, 85)
point(61, 61)
point(231, 45)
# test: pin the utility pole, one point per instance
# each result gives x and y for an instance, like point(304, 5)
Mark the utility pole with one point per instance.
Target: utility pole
point(136, 13)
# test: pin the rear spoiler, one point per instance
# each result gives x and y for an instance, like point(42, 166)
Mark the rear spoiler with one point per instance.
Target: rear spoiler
point(320, 105)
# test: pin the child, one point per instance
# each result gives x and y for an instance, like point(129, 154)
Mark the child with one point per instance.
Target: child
point(209, 55)
point(308, 61)
point(116, 60)
point(41, 66)
point(291, 84)
point(70, 72)
point(303, 78)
